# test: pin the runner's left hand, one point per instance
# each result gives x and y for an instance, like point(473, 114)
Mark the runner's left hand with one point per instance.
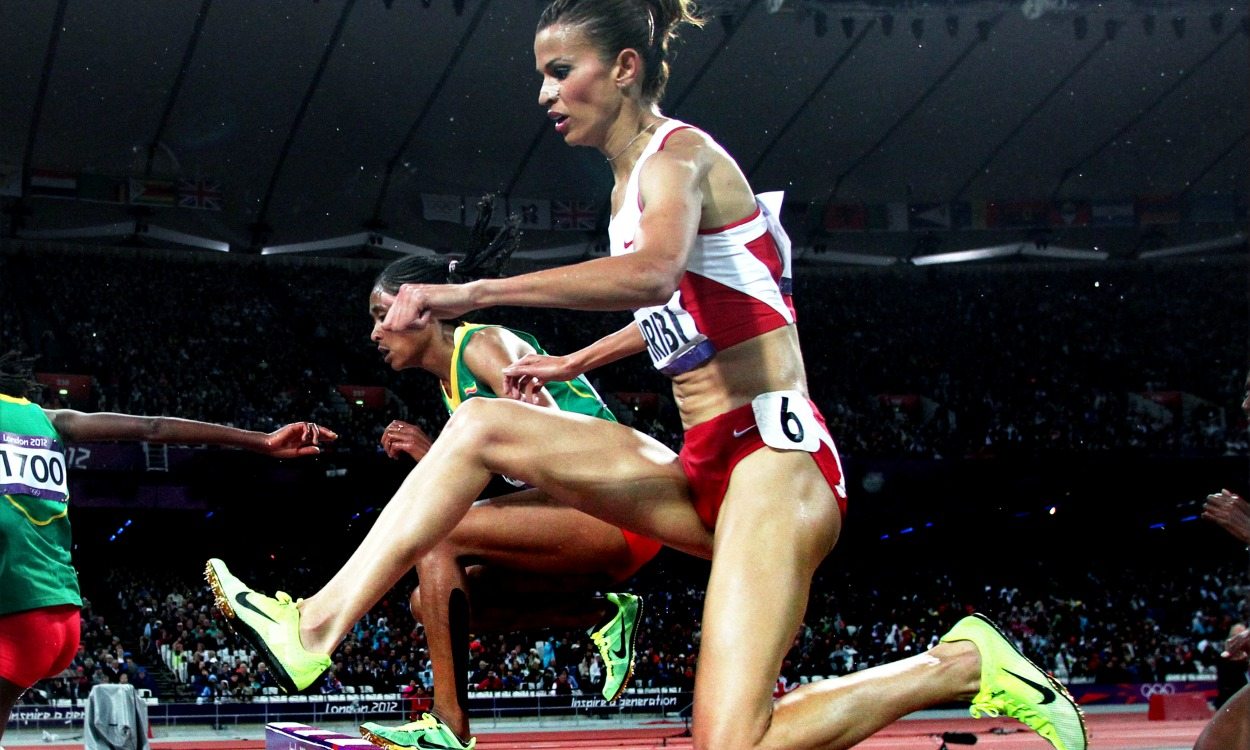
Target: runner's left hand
point(297, 439)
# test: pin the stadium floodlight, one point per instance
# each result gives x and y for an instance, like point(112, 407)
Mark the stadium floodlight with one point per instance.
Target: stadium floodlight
point(963, 256)
point(182, 238)
point(350, 241)
point(334, 243)
point(1223, 243)
point(399, 246)
point(1064, 253)
point(857, 259)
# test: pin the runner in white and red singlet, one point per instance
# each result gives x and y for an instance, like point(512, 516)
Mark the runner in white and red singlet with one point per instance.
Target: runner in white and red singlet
point(703, 263)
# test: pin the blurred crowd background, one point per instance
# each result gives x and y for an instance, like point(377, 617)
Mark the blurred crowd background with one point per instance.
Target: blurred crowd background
point(1030, 440)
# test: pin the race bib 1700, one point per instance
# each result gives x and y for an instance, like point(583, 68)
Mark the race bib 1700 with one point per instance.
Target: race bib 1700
point(31, 465)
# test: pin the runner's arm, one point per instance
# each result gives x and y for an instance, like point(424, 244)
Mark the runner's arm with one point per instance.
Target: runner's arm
point(296, 439)
point(536, 369)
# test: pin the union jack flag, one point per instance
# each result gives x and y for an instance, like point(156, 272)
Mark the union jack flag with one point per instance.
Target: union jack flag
point(574, 215)
point(199, 193)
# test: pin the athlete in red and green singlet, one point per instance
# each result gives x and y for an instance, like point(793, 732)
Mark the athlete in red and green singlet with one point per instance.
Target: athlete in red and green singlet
point(39, 596)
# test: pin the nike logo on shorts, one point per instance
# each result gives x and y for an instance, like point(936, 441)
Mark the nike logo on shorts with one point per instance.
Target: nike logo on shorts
point(743, 431)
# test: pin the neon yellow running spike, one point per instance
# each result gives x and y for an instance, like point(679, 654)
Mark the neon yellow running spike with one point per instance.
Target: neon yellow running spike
point(270, 625)
point(427, 734)
point(615, 641)
point(1011, 685)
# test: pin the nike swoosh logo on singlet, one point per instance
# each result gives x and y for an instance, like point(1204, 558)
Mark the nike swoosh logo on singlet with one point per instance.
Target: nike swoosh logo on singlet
point(743, 431)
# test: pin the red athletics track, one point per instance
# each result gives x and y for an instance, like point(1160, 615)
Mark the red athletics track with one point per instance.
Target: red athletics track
point(1107, 732)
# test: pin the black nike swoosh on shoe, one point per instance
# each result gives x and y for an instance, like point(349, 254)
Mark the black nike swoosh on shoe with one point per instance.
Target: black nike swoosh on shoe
point(241, 598)
point(1048, 695)
point(422, 742)
point(621, 651)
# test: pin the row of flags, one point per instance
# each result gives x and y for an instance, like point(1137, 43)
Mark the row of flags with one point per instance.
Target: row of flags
point(574, 215)
point(535, 213)
point(198, 192)
point(1142, 211)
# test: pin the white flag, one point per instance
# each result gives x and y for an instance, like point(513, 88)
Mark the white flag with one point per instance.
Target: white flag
point(442, 207)
point(498, 212)
point(897, 217)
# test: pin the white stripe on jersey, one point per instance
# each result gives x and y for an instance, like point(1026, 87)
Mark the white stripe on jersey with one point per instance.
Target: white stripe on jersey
point(724, 258)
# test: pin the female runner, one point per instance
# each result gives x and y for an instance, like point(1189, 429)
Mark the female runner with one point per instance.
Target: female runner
point(705, 265)
point(514, 561)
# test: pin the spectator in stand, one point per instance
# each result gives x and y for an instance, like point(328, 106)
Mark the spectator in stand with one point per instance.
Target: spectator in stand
point(490, 682)
point(40, 622)
point(144, 681)
point(331, 685)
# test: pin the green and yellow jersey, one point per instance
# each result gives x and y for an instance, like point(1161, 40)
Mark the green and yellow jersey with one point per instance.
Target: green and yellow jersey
point(576, 395)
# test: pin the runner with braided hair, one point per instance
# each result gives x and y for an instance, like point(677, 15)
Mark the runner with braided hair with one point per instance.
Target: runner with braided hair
point(517, 561)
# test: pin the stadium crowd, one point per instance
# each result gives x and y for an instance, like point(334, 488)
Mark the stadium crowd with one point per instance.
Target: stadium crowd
point(933, 362)
point(1109, 626)
point(1037, 360)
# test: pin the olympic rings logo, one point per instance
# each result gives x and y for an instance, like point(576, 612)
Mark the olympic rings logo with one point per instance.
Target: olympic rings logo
point(1157, 688)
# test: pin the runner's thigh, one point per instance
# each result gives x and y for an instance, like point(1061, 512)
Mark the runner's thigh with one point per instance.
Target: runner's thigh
point(606, 469)
point(779, 519)
point(529, 533)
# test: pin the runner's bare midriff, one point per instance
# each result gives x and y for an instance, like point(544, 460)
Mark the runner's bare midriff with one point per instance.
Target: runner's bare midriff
point(768, 362)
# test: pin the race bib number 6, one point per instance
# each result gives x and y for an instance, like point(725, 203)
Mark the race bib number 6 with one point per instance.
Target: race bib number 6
point(786, 421)
point(32, 466)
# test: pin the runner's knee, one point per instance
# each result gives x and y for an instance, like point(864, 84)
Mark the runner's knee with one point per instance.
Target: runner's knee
point(726, 737)
point(476, 425)
point(414, 603)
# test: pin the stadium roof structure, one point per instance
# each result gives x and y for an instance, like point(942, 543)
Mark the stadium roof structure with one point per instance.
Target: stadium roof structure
point(369, 127)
